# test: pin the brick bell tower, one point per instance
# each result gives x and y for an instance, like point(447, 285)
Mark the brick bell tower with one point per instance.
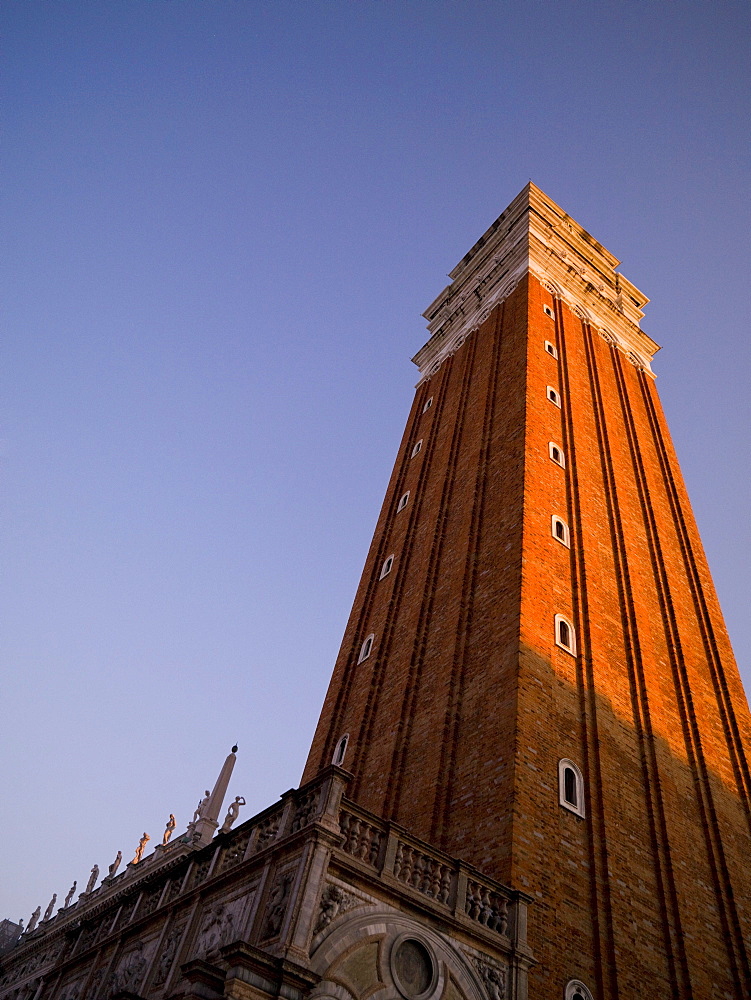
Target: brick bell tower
point(535, 676)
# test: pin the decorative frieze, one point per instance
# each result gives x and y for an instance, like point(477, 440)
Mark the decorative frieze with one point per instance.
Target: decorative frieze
point(97, 978)
point(168, 951)
point(150, 900)
point(493, 977)
point(267, 830)
point(234, 852)
point(535, 236)
point(334, 901)
point(130, 970)
point(217, 929)
point(276, 905)
point(318, 857)
point(305, 809)
point(200, 870)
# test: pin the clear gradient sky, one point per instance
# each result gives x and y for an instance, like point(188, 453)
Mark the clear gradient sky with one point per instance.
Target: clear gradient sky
point(222, 222)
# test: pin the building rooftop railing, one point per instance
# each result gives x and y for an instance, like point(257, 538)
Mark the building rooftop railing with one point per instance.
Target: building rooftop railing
point(369, 848)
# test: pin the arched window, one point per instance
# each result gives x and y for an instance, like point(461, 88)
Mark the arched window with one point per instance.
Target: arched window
point(565, 637)
point(556, 454)
point(570, 787)
point(577, 991)
point(403, 502)
point(366, 648)
point(388, 562)
point(341, 749)
point(428, 404)
point(417, 448)
point(553, 395)
point(551, 349)
point(560, 531)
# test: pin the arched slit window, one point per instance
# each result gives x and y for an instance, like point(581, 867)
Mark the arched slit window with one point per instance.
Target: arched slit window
point(570, 787)
point(548, 311)
point(403, 502)
point(565, 637)
point(366, 648)
point(553, 395)
point(577, 991)
point(551, 349)
point(560, 531)
point(428, 404)
point(388, 562)
point(556, 454)
point(341, 749)
point(417, 448)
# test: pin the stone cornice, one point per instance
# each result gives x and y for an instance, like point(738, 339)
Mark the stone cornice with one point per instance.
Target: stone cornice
point(535, 236)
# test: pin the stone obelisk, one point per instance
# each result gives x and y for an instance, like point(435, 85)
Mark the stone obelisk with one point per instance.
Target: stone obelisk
point(207, 822)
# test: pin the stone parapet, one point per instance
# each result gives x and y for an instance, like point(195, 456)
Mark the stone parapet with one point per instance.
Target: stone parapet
point(246, 915)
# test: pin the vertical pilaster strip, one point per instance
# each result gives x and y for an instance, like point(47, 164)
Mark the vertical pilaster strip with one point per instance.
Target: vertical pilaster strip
point(453, 717)
point(725, 706)
point(655, 806)
point(402, 570)
point(412, 689)
point(605, 958)
point(684, 697)
point(722, 883)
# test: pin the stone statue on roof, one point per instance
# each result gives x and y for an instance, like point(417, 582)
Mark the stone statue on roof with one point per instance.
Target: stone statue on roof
point(201, 807)
point(139, 850)
point(232, 813)
point(92, 879)
point(168, 830)
point(115, 865)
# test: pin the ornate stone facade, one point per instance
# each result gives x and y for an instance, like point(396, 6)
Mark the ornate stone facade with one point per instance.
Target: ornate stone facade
point(305, 911)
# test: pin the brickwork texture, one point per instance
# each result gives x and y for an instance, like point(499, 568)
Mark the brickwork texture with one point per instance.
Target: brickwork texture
point(460, 714)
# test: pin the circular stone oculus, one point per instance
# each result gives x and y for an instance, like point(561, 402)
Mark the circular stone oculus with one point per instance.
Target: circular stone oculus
point(413, 968)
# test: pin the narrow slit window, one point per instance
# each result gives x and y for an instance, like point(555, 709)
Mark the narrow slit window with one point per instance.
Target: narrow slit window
point(428, 404)
point(565, 637)
point(366, 647)
point(388, 562)
point(570, 787)
point(551, 349)
point(548, 311)
point(403, 502)
point(560, 531)
point(341, 749)
point(417, 448)
point(556, 454)
point(554, 396)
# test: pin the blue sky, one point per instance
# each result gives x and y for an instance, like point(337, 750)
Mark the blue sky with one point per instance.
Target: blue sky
point(222, 222)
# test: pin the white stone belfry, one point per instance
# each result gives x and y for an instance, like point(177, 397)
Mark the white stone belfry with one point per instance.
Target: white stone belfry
point(207, 822)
